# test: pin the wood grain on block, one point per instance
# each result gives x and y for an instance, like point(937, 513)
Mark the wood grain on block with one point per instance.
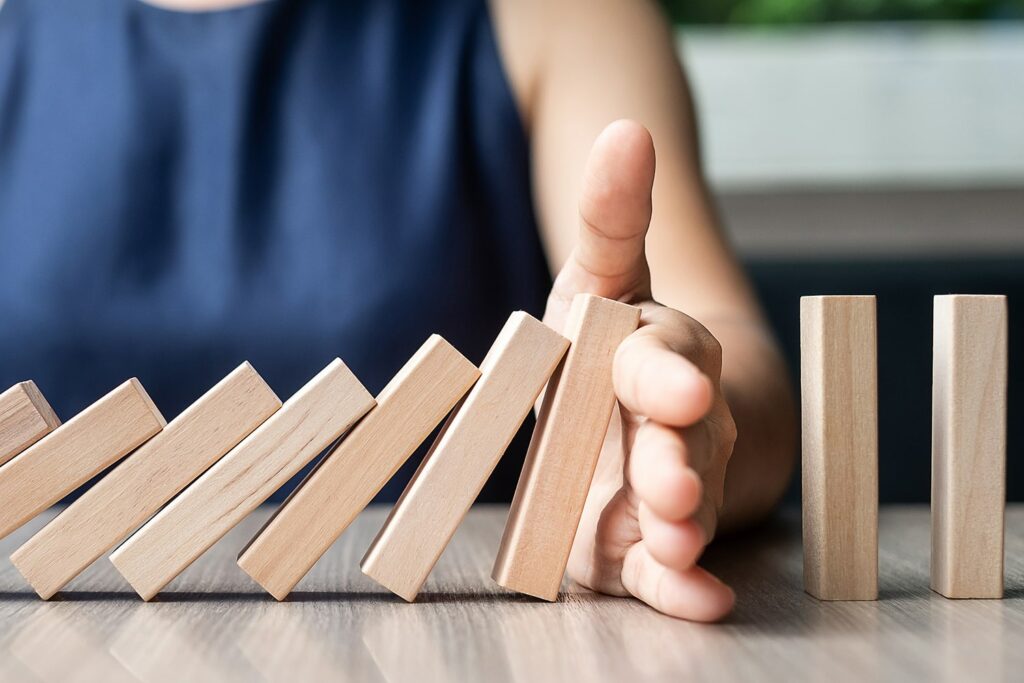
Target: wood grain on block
point(25, 417)
point(138, 487)
point(73, 453)
point(348, 478)
point(563, 452)
point(305, 425)
point(969, 366)
point(463, 456)
point(838, 372)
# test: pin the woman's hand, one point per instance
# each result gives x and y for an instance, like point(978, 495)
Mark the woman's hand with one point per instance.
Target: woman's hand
point(658, 489)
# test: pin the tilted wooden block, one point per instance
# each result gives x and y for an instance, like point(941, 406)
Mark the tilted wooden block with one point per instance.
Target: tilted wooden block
point(969, 365)
point(146, 480)
point(25, 417)
point(563, 452)
point(444, 487)
point(305, 425)
point(348, 478)
point(70, 455)
point(840, 446)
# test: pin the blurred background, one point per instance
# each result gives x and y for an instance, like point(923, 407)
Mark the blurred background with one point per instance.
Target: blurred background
point(871, 147)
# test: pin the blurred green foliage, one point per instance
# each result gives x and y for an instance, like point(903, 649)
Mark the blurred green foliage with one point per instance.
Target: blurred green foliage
point(817, 11)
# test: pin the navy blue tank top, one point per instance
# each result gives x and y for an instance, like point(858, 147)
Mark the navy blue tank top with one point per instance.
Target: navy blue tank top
point(281, 183)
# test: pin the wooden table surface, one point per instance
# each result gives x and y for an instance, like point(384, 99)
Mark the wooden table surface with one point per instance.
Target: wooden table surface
point(213, 623)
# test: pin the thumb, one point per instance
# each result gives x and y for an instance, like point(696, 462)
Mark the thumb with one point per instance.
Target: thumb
point(614, 214)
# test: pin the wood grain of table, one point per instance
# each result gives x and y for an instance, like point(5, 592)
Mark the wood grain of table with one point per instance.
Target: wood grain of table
point(213, 623)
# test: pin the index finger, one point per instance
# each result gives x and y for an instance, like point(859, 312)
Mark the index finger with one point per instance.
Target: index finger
point(654, 381)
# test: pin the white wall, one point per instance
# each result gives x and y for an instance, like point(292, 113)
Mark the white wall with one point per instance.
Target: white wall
point(918, 104)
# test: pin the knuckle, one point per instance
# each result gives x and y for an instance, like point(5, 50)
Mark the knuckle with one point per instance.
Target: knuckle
point(712, 348)
point(711, 355)
point(729, 433)
point(676, 318)
point(691, 339)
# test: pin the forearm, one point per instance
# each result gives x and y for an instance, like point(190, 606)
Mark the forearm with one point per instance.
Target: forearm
point(757, 388)
point(573, 83)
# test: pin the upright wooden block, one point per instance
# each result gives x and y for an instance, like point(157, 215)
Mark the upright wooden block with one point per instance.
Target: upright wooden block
point(348, 478)
point(25, 417)
point(66, 458)
point(444, 487)
point(305, 425)
point(563, 452)
point(146, 480)
point(969, 365)
point(840, 446)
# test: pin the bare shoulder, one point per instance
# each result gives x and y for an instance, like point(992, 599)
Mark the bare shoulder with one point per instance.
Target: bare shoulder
point(543, 41)
point(520, 29)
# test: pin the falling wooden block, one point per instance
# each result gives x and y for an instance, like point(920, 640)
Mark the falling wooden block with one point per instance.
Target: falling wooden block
point(563, 452)
point(70, 455)
point(146, 480)
point(25, 417)
point(969, 365)
point(840, 446)
point(444, 487)
point(305, 425)
point(348, 478)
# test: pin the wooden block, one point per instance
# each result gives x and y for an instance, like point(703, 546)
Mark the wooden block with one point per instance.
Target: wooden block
point(25, 417)
point(563, 452)
point(305, 425)
point(463, 456)
point(840, 446)
point(969, 365)
point(70, 455)
point(146, 480)
point(348, 478)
